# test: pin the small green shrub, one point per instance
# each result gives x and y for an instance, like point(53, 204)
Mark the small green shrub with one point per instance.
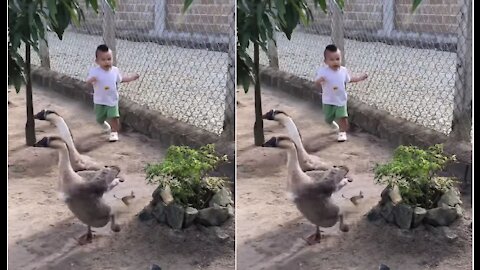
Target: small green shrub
point(414, 171)
point(184, 170)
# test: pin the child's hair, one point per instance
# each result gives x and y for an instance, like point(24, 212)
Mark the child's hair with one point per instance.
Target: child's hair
point(329, 48)
point(101, 48)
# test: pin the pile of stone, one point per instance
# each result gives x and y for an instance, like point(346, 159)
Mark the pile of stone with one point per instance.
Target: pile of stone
point(165, 210)
point(393, 210)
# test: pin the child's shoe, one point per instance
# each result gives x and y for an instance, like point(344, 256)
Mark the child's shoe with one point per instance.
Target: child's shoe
point(113, 137)
point(342, 136)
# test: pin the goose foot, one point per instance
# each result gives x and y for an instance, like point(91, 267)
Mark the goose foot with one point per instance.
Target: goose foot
point(343, 227)
point(86, 238)
point(314, 238)
point(114, 226)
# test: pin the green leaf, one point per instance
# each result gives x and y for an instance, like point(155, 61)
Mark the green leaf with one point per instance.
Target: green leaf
point(268, 26)
point(40, 27)
point(52, 9)
point(186, 5)
point(280, 4)
point(416, 3)
point(323, 5)
point(340, 3)
point(94, 4)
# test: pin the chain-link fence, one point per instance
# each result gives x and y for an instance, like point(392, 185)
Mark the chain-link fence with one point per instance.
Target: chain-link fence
point(185, 61)
point(419, 64)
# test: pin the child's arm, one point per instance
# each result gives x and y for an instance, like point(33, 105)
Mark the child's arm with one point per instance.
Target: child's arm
point(319, 81)
point(358, 78)
point(130, 77)
point(91, 80)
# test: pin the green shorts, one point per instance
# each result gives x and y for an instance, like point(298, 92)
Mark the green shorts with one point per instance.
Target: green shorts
point(333, 112)
point(104, 112)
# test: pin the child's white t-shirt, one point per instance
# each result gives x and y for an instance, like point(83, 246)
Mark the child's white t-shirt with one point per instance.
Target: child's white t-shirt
point(105, 88)
point(333, 87)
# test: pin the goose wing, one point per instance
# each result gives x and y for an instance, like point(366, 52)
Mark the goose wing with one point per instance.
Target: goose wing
point(97, 182)
point(325, 182)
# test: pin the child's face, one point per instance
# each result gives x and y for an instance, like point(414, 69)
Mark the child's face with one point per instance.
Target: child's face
point(333, 59)
point(104, 59)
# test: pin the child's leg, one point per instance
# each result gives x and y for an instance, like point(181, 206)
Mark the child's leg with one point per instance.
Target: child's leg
point(114, 121)
point(329, 113)
point(115, 124)
point(100, 113)
point(342, 115)
point(343, 124)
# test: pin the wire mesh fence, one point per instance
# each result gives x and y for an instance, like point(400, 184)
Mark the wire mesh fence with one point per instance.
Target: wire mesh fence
point(419, 64)
point(183, 59)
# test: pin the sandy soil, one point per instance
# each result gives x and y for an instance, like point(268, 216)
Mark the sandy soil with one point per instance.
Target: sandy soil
point(41, 229)
point(270, 228)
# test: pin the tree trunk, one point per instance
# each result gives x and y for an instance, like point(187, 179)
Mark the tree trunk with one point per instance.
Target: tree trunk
point(30, 126)
point(258, 127)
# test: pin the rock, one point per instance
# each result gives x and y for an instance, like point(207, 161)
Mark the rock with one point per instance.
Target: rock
point(450, 198)
point(231, 211)
point(405, 233)
point(146, 213)
point(162, 195)
point(384, 196)
point(212, 216)
point(159, 212)
point(459, 210)
point(175, 214)
point(222, 198)
point(449, 234)
point(441, 216)
point(214, 232)
point(418, 216)
point(176, 236)
point(432, 229)
point(156, 195)
point(386, 212)
point(155, 267)
point(190, 215)
point(403, 215)
point(219, 234)
point(395, 196)
point(383, 267)
point(203, 229)
point(166, 195)
point(374, 213)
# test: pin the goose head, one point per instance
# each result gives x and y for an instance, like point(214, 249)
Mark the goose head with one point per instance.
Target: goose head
point(45, 114)
point(273, 115)
point(280, 142)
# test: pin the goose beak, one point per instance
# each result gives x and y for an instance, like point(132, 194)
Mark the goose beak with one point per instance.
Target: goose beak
point(41, 115)
point(269, 115)
point(273, 142)
point(44, 142)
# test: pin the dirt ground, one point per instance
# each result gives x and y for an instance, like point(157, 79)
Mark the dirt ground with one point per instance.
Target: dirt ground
point(270, 228)
point(42, 230)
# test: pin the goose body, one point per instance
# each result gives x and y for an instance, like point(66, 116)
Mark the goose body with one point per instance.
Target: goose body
point(84, 195)
point(312, 197)
point(307, 161)
point(79, 162)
